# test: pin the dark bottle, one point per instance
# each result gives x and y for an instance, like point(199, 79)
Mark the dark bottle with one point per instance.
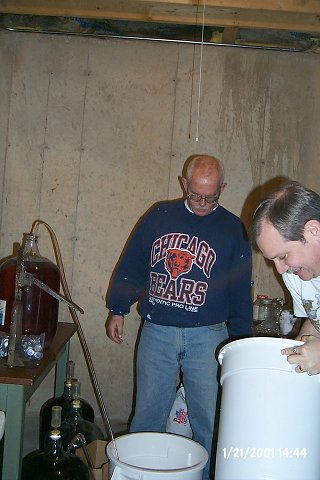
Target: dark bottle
point(64, 401)
point(74, 422)
point(54, 463)
point(39, 308)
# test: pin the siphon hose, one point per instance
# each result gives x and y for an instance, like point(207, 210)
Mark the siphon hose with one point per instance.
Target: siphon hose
point(86, 352)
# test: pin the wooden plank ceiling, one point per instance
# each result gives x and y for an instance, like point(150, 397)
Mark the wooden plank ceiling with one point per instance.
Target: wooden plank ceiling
point(300, 16)
point(292, 15)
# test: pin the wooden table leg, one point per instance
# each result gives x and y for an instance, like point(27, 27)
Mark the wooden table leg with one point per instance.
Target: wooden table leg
point(14, 429)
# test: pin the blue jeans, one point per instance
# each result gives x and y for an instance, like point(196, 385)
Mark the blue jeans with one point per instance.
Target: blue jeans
point(162, 352)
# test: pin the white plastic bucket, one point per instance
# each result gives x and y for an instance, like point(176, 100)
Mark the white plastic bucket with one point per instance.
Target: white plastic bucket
point(269, 421)
point(150, 456)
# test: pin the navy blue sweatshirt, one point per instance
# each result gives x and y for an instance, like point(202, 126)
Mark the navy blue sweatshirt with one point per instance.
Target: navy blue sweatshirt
point(186, 270)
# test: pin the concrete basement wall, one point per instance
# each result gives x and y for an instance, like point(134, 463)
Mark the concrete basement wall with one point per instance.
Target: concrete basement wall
point(93, 131)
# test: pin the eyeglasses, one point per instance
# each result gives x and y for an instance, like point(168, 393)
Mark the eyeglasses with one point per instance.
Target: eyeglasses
point(196, 197)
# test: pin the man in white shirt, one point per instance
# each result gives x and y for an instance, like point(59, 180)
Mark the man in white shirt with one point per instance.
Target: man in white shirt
point(286, 228)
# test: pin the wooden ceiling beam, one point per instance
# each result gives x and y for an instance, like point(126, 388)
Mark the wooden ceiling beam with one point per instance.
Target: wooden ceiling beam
point(290, 15)
point(280, 6)
point(298, 6)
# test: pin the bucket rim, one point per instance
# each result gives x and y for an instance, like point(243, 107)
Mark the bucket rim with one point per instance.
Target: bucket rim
point(282, 343)
point(158, 434)
point(119, 462)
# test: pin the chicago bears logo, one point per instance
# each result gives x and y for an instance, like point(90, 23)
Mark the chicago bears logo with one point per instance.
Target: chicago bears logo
point(178, 262)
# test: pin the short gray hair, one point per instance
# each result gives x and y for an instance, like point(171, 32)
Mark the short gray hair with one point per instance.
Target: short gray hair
point(288, 209)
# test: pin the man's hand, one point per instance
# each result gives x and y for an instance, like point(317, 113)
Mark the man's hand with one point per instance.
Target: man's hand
point(306, 356)
point(114, 328)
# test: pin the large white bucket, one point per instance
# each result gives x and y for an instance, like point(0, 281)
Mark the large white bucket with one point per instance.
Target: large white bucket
point(150, 456)
point(270, 415)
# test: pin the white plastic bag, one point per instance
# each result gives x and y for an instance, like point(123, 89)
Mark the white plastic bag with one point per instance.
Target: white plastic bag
point(178, 421)
point(286, 322)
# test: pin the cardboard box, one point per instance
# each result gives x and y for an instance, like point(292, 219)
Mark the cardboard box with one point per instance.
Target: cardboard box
point(98, 461)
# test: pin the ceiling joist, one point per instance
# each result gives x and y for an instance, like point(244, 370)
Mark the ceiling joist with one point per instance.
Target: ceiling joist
point(289, 15)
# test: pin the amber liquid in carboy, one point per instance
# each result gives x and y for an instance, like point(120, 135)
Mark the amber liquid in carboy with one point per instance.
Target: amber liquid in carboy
point(40, 310)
